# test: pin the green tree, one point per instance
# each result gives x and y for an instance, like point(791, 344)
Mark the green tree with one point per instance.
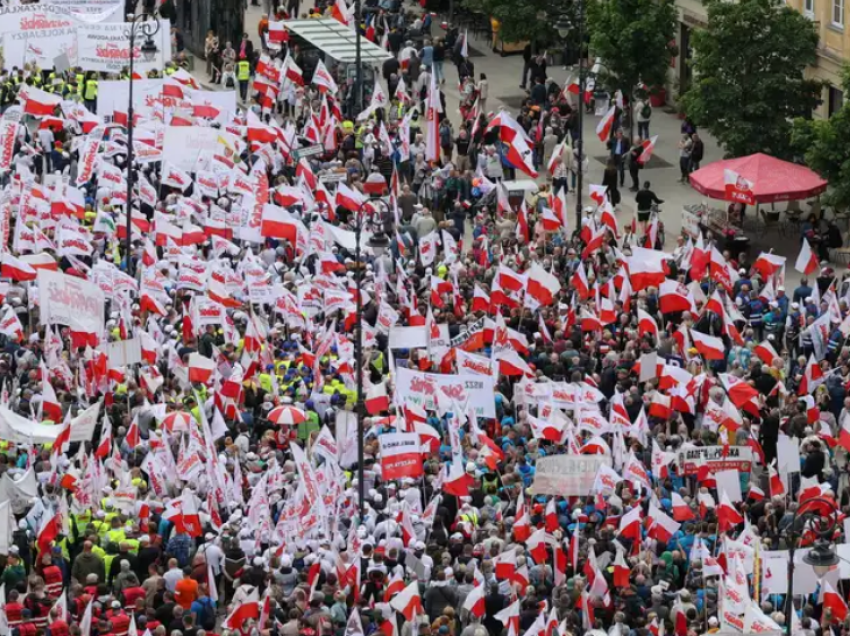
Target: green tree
point(748, 75)
point(521, 20)
point(825, 144)
point(634, 38)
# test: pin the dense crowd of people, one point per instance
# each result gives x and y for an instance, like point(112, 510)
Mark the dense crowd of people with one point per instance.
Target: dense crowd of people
point(349, 378)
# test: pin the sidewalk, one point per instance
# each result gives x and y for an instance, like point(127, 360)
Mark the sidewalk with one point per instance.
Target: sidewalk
point(504, 73)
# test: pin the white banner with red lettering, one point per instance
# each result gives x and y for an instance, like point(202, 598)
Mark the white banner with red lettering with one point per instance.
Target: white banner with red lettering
point(42, 32)
point(8, 135)
point(148, 100)
point(105, 47)
point(401, 455)
point(68, 300)
point(37, 33)
point(420, 389)
point(472, 363)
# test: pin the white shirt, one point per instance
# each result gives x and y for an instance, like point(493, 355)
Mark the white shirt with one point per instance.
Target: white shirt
point(46, 139)
point(171, 577)
point(214, 556)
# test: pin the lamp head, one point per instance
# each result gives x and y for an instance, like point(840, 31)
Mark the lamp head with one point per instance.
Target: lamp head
point(149, 49)
point(379, 243)
point(821, 557)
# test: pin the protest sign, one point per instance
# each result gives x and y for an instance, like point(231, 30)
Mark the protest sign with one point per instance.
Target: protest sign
point(124, 352)
point(420, 389)
point(470, 337)
point(716, 458)
point(183, 144)
point(105, 47)
point(567, 475)
point(415, 337)
point(774, 572)
point(400, 455)
point(68, 300)
point(82, 426)
point(690, 224)
point(37, 33)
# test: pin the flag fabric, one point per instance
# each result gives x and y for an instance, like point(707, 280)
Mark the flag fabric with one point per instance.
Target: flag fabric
point(408, 602)
point(807, 260)
point(603, 128)
point(727, 515)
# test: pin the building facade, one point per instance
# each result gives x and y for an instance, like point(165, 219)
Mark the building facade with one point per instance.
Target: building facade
point(833, 50)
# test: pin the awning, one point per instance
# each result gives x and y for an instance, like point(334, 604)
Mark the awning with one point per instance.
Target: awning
point(333, 38)
point(773, 179)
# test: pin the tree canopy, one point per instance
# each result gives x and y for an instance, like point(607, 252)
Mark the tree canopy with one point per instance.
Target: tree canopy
point(520, 19)
point(634, 38)
point(748, 75)
point(825, 144)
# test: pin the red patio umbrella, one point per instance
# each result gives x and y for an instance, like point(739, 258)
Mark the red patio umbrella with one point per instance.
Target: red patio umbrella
point(773, 179)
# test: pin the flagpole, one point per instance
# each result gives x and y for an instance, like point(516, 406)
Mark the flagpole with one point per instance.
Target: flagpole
point(138, 23)
point(358, 64)
point(580, 139)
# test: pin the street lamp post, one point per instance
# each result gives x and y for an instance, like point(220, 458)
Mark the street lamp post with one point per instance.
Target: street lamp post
point(564, 27)
point(581, 88)
point(822, 514)
point(139, 25)
point(378, 242)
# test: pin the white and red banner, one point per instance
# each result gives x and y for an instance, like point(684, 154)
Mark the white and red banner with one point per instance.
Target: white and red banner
point(8, 134)
point(473, 363)
point(68, 300)
point(37, 33)
point(420, 389)
point(401, 456)
point(105, 47)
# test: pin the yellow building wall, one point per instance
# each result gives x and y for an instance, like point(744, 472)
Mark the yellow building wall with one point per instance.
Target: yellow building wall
point(833, 49)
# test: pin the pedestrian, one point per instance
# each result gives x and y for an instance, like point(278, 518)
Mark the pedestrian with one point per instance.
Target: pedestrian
point(645, 199)
point(697, 152)
point(643, 115)
point(210, 51)
point(685, 147)
point(618, 148)
point(611, 181)
point(243, 74)
point(634, 161)
point(483, 89)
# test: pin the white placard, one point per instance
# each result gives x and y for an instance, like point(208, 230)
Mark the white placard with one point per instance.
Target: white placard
point(844, 553)
point(690, 224)
point(648, 366)
point(420, 389)
point(183, 144)
point(68, 300)
point(37, 33)
point(124, 352)
point(729, 481)
point(416, 337)
point(105, 47)
point(567, 475)
point(775, 573)
point(787, 454)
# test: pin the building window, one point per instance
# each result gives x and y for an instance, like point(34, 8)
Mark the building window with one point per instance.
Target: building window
point(809, 8)
point(836, 100)
point(837, 13)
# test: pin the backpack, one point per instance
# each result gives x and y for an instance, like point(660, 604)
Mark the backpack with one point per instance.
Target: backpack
point(646, 111)
point(206, 618)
